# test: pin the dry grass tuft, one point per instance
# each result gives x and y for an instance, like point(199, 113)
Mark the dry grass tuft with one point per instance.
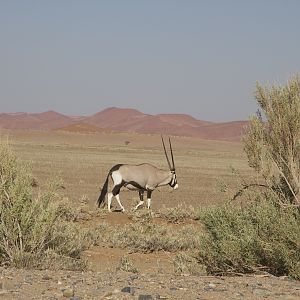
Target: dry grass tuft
point(151, 237)
point(178, 214)
point(127, 265)
point(186, 264)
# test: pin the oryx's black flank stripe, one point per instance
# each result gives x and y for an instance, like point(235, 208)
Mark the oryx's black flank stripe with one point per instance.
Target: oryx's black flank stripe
point(135, 184)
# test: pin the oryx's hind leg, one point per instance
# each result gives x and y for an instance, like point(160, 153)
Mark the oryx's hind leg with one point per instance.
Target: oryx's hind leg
point(116, 192)
point(141, 194)
point(118, 183)
point(119, 201)
point(109, 199)
point(149, 192)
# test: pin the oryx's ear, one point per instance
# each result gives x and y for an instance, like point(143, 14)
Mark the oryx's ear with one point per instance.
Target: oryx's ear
point(166, 152)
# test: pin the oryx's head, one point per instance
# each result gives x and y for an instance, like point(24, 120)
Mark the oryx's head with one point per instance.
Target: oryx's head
point(173, 183)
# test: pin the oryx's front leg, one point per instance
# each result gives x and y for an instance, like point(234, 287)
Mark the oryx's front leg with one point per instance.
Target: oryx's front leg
point(149, 192)
point(141, 194)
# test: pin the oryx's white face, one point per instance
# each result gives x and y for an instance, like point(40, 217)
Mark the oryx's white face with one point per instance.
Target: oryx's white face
point(173, 183)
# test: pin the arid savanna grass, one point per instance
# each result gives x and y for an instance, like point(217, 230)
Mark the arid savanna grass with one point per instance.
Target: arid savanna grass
point(83, 160)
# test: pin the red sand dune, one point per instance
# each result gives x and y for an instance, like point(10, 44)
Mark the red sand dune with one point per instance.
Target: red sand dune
point(84, 128)
point(127, 120)
point(114, 117)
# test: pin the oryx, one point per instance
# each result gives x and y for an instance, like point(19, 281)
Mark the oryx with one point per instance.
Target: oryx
point(143, 177)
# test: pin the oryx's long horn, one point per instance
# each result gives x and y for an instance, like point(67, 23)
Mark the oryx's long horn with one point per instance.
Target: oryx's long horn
point(172, 154)
point(166, 152)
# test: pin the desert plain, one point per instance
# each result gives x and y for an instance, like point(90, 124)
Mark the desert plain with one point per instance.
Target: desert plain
point(209, 172)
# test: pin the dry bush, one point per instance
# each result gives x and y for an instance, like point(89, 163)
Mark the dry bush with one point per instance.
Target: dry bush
point(147, 238)
point(178, 214)
point(35, 230)
point(261, 237)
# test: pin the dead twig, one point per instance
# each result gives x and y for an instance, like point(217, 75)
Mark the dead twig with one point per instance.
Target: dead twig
point(247, 186)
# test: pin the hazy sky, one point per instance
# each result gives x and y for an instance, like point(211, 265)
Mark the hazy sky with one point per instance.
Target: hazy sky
point(202, 58)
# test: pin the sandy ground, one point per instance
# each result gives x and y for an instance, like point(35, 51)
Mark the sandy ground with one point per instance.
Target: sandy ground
point(155, 279)
point(24, 284)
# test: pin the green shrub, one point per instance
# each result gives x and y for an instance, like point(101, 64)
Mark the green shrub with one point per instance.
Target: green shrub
point(272, 145)
point(35, 230)
point(261, 237)
point(265, 234)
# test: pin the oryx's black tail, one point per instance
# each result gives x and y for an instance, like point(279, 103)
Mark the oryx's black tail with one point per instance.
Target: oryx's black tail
point(103, 193)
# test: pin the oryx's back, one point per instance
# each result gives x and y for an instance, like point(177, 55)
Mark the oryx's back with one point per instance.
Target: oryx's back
point(143, 174)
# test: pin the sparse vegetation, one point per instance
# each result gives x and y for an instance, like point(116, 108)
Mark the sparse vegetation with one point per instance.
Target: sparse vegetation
point(147, 238)
point(263, 235)
point(178, 214)
point(142, 215)
point(127, 265)
point(35, 230)
point(187, 264)
point(175, 215)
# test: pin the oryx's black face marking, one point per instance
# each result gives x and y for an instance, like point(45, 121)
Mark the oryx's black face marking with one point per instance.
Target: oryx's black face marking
point(173, 183)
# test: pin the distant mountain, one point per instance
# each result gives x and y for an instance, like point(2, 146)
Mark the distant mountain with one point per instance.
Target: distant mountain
point(125, 120)
point(45, 120)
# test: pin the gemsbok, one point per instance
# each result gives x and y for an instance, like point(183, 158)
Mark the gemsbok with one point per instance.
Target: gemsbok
point(143, 178)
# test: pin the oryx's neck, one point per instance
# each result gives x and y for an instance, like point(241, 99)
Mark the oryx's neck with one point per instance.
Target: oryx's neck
point(164, 176)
